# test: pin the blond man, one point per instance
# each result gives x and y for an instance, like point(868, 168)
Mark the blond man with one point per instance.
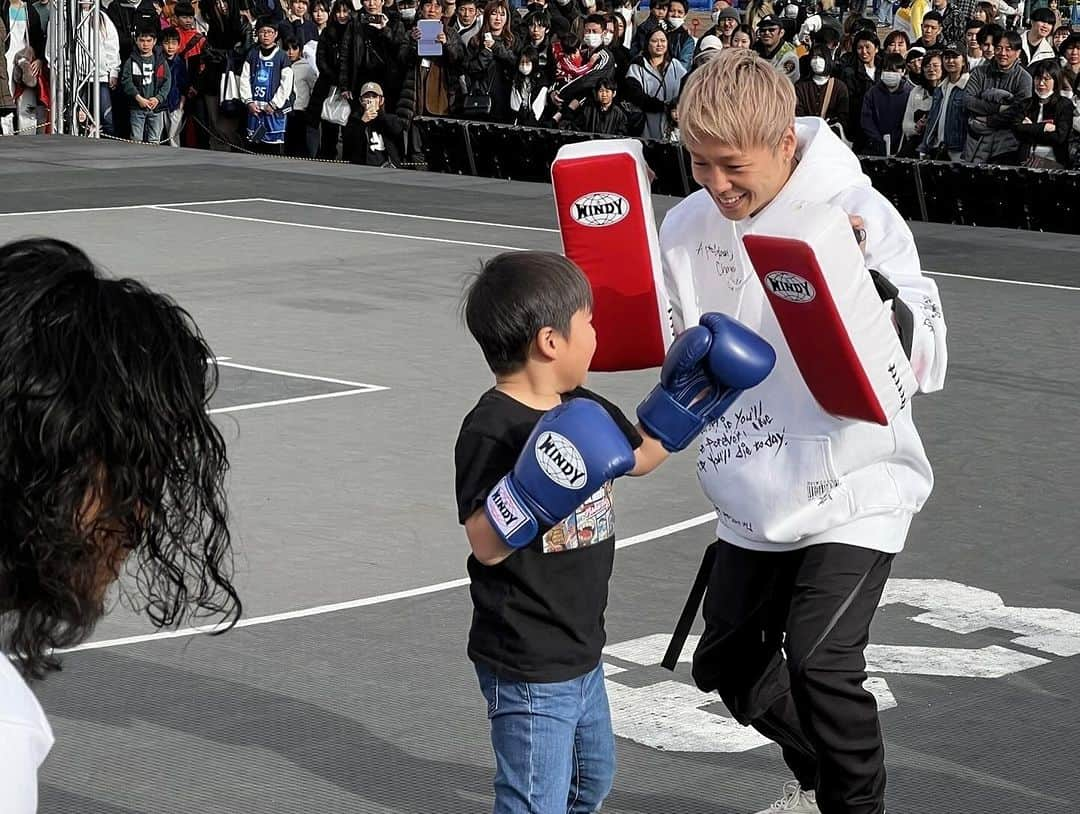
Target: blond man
point(811, 508)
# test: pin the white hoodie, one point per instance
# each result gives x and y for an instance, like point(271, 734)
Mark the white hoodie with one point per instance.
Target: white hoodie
point(782, 473)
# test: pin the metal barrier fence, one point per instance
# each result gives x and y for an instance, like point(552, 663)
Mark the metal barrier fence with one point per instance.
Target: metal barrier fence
point(933, 191)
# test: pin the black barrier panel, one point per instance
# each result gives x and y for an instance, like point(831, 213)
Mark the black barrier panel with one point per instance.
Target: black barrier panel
point(1011, 197)
point(896, 179)
point(446, 147)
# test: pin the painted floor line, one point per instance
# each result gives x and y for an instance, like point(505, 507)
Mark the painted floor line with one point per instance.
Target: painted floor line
point(320, 610)
point(122, 208)
point(258, 405)
point(412, 216)
point(318, 227)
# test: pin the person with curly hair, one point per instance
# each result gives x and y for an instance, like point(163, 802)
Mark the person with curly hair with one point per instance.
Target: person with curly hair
point(108, 460)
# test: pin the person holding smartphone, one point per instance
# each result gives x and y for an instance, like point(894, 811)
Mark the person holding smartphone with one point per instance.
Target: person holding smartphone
point(377, 132)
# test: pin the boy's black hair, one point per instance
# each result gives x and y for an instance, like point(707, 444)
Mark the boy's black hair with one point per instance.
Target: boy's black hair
point(290, 42)
point(893, 62)
point(607, 83)
point(541, 16)
point(170, 35)
point(514, 297)
point(932, 15)
point(991, 30)
point(107, 450)
point(973, 23)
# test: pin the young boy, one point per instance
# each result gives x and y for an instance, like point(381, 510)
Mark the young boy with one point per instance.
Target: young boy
point(535, 458)
point(266, 87)
point(807, 531)
point(174, 103)
point(147, 80)
point(301, 139)
point(110, 460)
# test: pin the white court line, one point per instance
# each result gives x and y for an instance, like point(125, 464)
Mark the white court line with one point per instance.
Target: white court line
point(290, 375)
point(1003, 280)
point(406, 215)
point(121, 208)
point(357, 388)
point(320, 610)
point(297, 400)
point(337, 229)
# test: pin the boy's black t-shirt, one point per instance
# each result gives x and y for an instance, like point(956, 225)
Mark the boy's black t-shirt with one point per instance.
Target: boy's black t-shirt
point(539, 614)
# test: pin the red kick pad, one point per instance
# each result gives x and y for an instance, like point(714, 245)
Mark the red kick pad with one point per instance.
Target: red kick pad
point(838, 330)
point(608, 230)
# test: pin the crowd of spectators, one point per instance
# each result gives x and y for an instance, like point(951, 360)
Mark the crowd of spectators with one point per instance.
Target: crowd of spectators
point(953, 80)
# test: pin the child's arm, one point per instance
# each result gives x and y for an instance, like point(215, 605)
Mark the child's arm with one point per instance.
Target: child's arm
point(487, 546)
point(125, 80)
point(284, 91)
point(649, 455)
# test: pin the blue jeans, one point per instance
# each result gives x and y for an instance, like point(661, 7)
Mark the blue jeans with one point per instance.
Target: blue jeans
point(554, 748)
point(146, 123)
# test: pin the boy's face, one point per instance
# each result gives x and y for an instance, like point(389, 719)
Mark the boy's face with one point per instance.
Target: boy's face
point(171, 47)
point(267, 36)
point(576, 351)
point(186, 22)
point(145, 44)
point(742, 182)
point(605, 96)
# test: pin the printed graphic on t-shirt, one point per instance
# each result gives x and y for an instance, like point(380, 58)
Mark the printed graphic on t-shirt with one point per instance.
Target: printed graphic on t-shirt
point(593, 522)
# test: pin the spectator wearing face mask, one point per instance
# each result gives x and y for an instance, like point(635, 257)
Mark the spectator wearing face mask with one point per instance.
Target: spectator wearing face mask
point(821, 94)
point(1043, 133)
point(657, 19)
point(996, 98)
point(883, 108)
point(946, 122)
point(528, 93)
point(918, 104)
point(600, 62)
point(680, 43)
point(772, 46)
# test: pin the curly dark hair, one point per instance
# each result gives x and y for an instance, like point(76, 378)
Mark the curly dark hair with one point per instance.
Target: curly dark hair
point(107, 455)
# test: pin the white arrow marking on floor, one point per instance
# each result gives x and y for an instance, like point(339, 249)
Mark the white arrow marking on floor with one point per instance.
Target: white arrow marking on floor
point(961, 608)
point(985, 662)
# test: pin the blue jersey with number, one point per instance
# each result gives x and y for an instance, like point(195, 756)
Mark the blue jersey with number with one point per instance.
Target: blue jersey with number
point(265, 72)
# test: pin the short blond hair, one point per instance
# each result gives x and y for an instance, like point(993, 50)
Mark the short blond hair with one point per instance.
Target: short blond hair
point(736, 98)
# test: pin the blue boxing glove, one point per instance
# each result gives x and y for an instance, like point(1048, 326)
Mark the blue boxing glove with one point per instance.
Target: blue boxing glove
point(705, 370)
point(573, 450)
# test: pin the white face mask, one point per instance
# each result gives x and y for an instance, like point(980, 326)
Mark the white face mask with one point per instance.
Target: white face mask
point(1046, 95)
point(891, 79)
point(408, 13)
point(592, 40)
point(525, 68)
point(675, 22)
point(606, 38)
point(817, 65)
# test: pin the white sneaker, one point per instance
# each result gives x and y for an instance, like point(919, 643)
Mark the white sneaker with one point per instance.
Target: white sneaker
point(794, 799)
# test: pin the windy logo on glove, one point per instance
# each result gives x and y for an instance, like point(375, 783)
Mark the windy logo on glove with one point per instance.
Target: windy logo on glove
point(560, 460)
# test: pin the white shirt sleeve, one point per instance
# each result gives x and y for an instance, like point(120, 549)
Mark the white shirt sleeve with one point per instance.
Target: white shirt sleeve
point(891, 251)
